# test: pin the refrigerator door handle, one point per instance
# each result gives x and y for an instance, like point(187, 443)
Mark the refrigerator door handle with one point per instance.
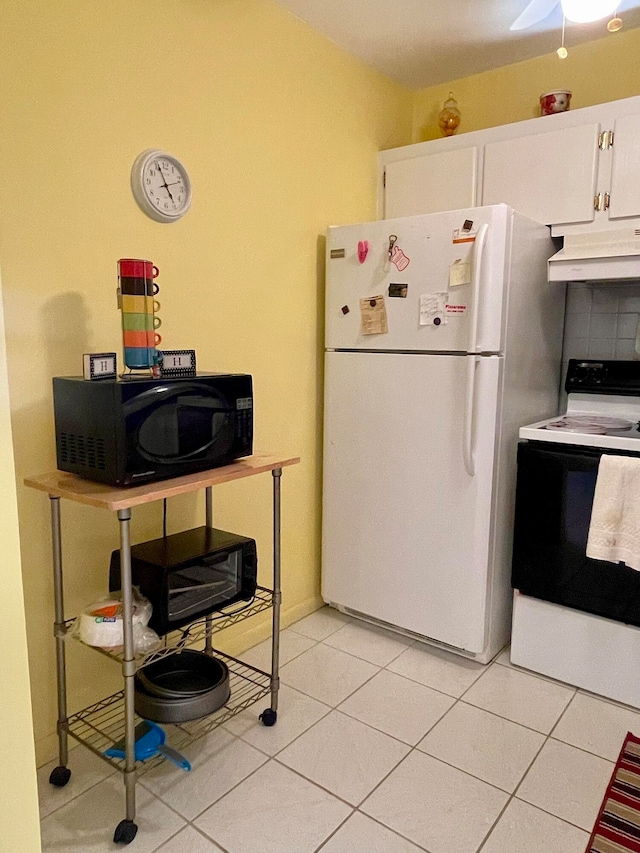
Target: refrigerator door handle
point(468, 449)
point(478, 257)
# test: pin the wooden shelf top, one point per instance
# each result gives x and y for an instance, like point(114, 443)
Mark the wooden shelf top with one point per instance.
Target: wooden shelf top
point(62, 485)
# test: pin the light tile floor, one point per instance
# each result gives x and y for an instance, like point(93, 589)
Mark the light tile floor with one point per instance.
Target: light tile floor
point(381, 746)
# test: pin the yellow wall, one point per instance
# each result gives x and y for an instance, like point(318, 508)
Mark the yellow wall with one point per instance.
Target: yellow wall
point(596, 72)
point(279, 130)
point(18, 792)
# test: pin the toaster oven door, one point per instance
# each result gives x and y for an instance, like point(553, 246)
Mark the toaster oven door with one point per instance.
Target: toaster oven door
point(204, 586)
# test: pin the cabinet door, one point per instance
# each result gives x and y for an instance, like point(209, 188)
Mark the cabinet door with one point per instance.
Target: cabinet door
point(429, 184)
point(625, 176)
point(550, 177)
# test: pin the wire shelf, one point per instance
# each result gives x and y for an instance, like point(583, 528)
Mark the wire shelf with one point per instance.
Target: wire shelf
point(100, 726)
point(194, 633)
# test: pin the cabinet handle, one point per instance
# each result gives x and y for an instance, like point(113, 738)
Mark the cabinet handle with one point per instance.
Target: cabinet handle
point(607, 199)
point(598, 202)
point(605, 140)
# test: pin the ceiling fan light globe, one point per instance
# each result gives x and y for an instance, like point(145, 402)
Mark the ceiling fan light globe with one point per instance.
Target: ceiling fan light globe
point(586, 11)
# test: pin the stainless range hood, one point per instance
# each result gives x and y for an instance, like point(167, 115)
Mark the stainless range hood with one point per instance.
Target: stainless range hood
point(601, 256)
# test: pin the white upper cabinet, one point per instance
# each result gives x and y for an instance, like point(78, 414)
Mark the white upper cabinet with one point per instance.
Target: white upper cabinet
point(578, 171)
point(431, 183)
point(550, 177)
point(625, 172)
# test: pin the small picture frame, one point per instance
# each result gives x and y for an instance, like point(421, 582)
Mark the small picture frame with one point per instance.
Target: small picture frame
point(99, 365)
point(178, 362)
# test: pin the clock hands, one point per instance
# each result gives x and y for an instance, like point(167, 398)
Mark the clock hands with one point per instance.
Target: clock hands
point(164, 181)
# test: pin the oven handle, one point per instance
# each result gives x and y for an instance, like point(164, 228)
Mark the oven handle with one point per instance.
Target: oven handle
point(468, 449)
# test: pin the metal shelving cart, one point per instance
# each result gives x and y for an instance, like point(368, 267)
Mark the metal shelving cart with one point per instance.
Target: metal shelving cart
point(113, 719)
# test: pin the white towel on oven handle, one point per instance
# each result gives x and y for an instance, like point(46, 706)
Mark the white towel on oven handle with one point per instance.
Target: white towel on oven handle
point(614, 531)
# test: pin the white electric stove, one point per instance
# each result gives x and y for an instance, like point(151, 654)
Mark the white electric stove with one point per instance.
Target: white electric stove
point(574, 618)
point(592, 420)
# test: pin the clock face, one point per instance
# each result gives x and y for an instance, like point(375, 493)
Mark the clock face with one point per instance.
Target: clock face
point(161, 185)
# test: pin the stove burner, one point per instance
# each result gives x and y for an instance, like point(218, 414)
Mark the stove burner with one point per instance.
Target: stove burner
point(589, 425)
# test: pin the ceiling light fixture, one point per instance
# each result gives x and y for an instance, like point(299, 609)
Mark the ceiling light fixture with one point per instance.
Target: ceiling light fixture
point(562, 50)
point(586, 11)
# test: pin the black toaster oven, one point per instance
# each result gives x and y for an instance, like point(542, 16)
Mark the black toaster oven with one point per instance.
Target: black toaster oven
point(188, 575)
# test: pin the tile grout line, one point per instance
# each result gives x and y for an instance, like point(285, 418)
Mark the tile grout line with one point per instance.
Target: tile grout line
point(75, 796)
point(524, 776)
point(297, 737)
point(457, 700)
point(217, 799)
point(208, 837)
point(335, 832)
point(404, 837)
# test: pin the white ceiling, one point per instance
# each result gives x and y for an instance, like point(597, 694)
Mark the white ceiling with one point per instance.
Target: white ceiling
point(424, 42)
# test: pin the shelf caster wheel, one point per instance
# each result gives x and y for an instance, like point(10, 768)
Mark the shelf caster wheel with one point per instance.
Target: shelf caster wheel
point(60, 776)
point(268, 717)
point(125, 832)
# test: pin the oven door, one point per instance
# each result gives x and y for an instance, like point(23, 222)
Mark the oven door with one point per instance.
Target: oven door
point(554, 496)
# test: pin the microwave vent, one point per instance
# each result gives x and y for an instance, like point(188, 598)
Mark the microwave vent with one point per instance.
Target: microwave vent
point(82, 450)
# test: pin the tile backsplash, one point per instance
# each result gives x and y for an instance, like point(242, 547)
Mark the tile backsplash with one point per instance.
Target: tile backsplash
point(601, 321)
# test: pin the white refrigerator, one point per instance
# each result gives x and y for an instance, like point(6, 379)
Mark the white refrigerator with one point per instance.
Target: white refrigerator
point(442, 338)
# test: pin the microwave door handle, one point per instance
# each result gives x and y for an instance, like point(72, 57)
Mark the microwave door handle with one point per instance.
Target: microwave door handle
point(162, 393)
point(468, 449)
point(207, 444)
point(195, 452)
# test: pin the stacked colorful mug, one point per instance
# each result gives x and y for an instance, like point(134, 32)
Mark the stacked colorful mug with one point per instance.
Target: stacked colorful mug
point(136, 291)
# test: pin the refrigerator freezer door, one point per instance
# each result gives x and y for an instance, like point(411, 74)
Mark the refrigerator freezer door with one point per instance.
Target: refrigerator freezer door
point(406, 530)
point(426, 303)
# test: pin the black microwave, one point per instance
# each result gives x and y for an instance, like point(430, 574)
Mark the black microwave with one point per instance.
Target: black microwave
point(189, 575)
point(141, 429)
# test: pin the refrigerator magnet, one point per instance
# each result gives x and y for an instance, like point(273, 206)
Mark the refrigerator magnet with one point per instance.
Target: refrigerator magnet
point(432, 309)
point(453, 309)
point(462, 236)
point(459, 273)
point(399, 258)
point(399, 291)
point(373, 316)
point(363, 250)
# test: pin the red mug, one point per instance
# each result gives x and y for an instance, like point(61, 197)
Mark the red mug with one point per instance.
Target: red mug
point(555, 102)
point(136, 268)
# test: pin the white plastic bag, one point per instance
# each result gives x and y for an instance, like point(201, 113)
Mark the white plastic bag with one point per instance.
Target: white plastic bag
point(101, 624)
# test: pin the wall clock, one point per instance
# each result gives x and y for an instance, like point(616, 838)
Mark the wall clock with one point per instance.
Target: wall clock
point(161, 185)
